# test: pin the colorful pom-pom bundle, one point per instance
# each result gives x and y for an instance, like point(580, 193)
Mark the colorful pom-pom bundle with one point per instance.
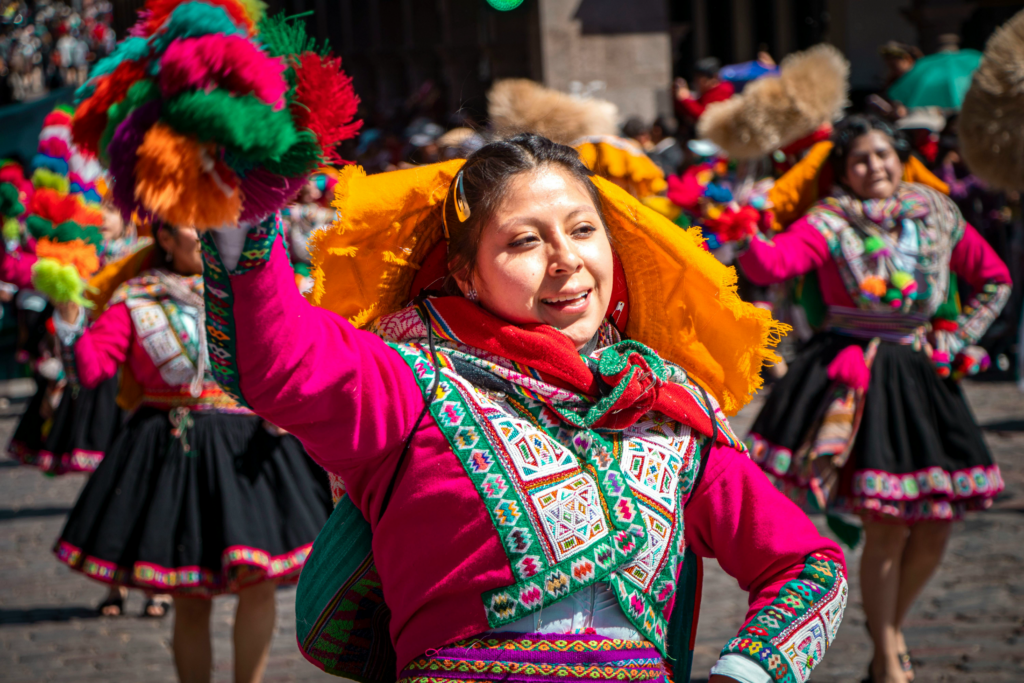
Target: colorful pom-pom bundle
point(210, 114)
point(64, 214)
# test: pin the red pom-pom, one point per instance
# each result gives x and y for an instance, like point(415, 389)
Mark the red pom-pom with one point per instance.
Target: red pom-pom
point(325, 102)
point(735, 224)
point(943, 325)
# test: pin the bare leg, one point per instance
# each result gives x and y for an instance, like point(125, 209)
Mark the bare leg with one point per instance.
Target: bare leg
point(880, 584)
point(193, 651)
point(921, 557)
point(254, 627)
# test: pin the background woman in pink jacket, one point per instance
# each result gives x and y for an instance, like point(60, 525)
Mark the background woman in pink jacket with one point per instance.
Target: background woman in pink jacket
point(197, 496)
point(541, 476)
point(870, 417)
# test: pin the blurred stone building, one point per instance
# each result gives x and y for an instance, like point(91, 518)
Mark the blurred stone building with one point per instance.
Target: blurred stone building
point(440, 56)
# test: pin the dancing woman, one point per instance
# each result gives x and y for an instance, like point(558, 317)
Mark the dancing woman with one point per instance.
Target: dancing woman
point(541, 475)
point(197, 496)
point(888, 255)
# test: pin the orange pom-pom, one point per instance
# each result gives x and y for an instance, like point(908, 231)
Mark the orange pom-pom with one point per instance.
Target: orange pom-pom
point(873, 286)
point(170, 181)
point(77, 253)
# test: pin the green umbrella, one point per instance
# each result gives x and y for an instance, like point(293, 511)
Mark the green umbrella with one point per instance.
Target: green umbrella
point(939, 80)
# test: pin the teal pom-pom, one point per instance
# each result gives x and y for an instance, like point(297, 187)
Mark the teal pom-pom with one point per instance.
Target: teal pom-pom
point(60, 283)
point(131, 49)
point(192, 19)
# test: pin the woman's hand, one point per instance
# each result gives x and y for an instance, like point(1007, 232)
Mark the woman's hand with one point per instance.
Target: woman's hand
point(682, 89)
point(68, 311)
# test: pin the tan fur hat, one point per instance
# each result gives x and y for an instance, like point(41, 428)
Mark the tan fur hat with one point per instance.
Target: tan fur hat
point(991, 125)
point(773, 111)
point(519, 105)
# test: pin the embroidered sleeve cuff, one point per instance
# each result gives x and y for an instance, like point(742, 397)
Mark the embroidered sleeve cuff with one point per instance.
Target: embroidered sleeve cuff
point(740, 669)
point(789, 637)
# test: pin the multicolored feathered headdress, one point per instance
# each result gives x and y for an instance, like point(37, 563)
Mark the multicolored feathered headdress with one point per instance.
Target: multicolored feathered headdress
point(64, 215)
point(210, 114)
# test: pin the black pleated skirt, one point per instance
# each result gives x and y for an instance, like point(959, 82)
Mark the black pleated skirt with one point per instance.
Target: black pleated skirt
point(224, 505)
point(918, 455)
point(75, 439)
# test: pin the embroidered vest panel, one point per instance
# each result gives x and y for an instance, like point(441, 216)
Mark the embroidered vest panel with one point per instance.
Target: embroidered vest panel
point(571, 506)
point(162, 328)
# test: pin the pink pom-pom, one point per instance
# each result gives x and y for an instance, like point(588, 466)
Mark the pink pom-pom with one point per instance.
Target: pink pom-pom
point(219, 61)
point(849, 368)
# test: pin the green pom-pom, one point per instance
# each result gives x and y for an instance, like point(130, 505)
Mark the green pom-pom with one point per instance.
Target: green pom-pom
point(873, 244)
point(281, 36)
point(12, 229)
point(39, 227)
point(504, 5)
point(892, 295)
point(301, 158)
point(10, 200)
point(60, 283)
point(251, 128)
point(69, 230)
point(44, 177)
point(901, 279)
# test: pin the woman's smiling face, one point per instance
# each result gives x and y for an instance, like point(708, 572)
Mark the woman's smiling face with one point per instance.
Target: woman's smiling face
point(544, 256)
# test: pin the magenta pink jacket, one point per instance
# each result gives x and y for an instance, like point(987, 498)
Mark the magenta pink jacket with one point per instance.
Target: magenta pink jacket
point(801, 249)
point(352, 401)
point(16, 267)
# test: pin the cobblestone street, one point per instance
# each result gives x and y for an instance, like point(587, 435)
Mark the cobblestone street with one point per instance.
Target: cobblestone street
point(968, 626)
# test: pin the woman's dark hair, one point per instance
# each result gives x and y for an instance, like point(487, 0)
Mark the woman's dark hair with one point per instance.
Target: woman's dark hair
point(160, 256)
point(485, 179)
point(856, 125)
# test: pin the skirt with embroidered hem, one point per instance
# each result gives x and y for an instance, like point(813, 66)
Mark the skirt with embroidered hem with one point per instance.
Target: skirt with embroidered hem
point(918, 454)
point(76, 437)
point(209, 509)
point(538, 658)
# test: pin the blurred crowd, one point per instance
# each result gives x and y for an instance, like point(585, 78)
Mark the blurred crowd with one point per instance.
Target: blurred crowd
point(46, 45)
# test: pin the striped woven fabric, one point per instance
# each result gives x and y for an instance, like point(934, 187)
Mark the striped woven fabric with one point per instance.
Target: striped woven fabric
point(538, 658)
point(890, 327)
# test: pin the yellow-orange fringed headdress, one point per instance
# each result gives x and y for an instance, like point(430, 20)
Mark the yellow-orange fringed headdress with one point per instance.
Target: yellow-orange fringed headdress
point(623, 162)
point(682, 302)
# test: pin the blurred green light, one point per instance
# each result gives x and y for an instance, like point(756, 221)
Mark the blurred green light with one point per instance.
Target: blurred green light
point(504, 5)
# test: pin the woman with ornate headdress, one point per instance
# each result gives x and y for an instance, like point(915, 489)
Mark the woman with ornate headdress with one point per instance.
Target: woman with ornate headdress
point(527, 487)
point(207, 113)
point(197, 496)
point(870, 419)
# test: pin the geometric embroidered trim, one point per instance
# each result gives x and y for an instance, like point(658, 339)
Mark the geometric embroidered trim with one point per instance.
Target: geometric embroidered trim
point(789, 637)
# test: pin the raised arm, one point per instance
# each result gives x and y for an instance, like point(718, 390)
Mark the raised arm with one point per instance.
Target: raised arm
point(797, 250)
point(978, 265)
point(796, 579)
point(100, 349)
point(342, 391)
